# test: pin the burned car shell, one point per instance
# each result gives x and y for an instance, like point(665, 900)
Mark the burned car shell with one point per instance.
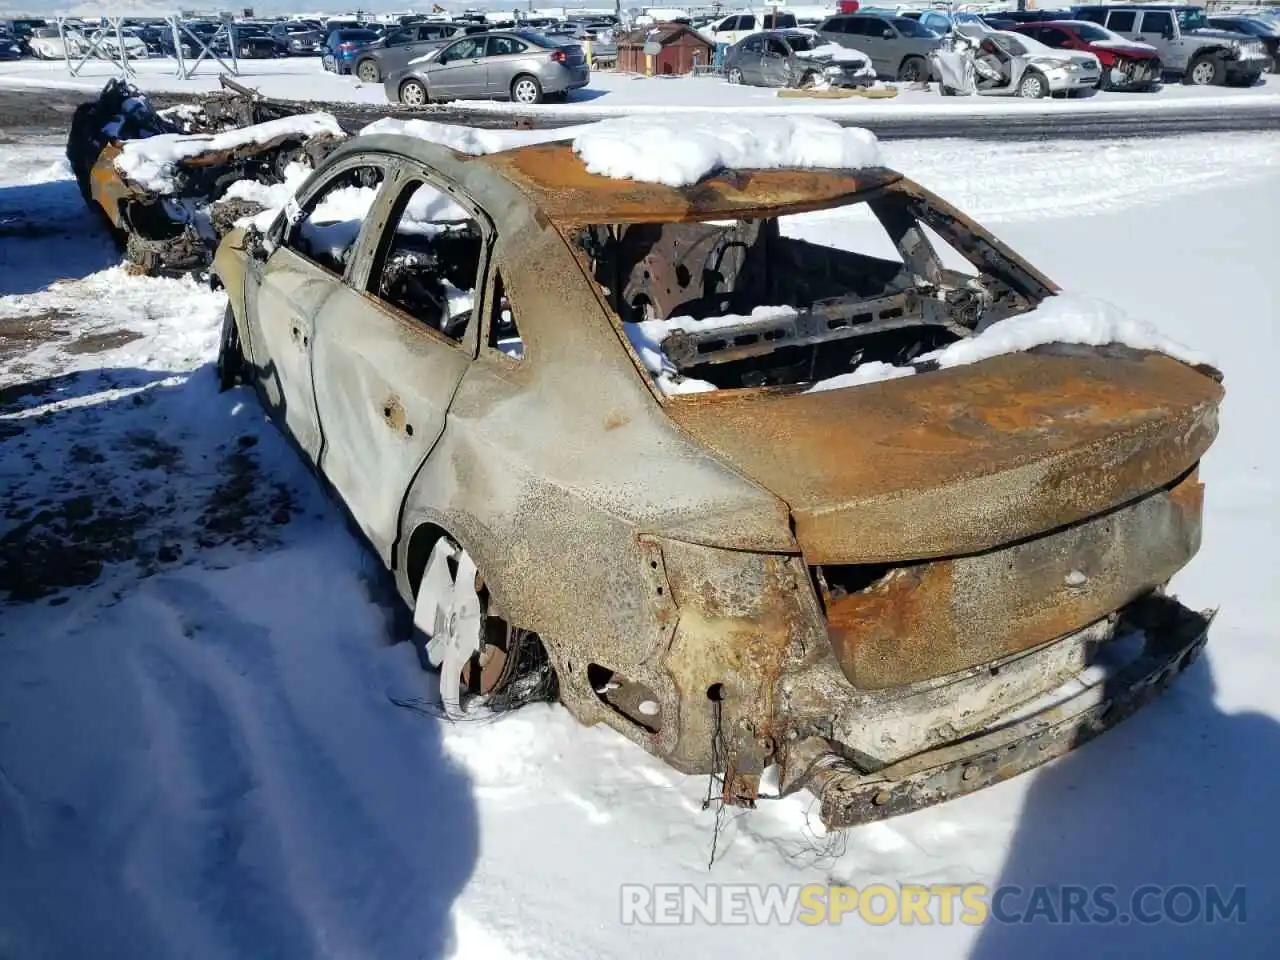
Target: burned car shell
point(692, 545)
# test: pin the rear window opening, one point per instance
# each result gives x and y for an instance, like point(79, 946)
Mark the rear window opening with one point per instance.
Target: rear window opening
point(801, 298)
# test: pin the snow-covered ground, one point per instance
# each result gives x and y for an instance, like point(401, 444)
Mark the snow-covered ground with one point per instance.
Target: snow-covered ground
point(199, 755)
point(611, 93)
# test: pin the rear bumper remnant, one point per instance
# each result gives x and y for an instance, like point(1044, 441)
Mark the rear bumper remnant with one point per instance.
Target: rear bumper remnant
point(1172, 637)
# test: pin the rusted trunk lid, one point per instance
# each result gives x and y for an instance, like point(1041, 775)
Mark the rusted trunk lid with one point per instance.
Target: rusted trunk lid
point(966, 459)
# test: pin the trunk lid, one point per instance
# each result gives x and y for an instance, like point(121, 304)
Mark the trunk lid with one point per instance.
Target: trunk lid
point(966, 459)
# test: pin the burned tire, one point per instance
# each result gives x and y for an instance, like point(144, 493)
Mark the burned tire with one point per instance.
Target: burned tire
point(1033, 86)
point(231, 364)
point(479, 656)
point(368, 72)
point(526, 89)
point(1205, 70)
point(808, 81)
point(413, 94)
point(913, 70)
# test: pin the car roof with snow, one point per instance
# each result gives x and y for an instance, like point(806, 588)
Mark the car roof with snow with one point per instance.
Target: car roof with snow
point(557, 181)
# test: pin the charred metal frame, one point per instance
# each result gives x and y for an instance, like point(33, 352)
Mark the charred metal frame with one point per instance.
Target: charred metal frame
point(693, 525)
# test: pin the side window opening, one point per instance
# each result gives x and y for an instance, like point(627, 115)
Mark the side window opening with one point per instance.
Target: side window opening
point(428, 260)
point(504, 334)
point(330, 224)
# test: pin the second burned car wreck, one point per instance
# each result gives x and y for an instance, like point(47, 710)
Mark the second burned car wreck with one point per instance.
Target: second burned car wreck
point(169, 183)
point(892, 527)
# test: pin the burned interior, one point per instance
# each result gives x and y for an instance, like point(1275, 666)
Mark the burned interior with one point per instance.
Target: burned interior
point(846, 308)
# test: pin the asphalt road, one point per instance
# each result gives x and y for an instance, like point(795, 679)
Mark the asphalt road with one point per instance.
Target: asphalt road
point(30, 111)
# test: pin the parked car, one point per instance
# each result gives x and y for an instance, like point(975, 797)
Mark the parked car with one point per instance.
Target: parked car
point(1188, 46)
point(1015, 65)
point(521, 65)
point(46, 43)
point(10, 46)
point(252, 41)
point(191, 34)
point(149, 32)
point(1126, 64)
point(393, 52)
point(294, 39)
point(736, 26)
point(342, 47)
point(894, 593)
point(22, 29)
point(795, 58)
point(1268, 31)
point(899, 47)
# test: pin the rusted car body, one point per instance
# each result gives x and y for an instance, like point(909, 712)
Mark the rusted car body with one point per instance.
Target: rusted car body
point(882, 589)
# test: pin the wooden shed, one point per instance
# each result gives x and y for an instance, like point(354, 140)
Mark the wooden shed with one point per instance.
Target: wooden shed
point(679, 49)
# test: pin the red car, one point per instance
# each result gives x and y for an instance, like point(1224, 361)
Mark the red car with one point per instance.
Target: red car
point(1126, 64)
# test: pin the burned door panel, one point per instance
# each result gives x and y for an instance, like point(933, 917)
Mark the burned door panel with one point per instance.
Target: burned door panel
point(285, 300)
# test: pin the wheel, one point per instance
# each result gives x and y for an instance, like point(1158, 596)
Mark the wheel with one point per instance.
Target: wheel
point(368, 71)
point(735, 75)
point(526, 89)
point(477, 653)
point(808, 81)
point(913, 70)
point(1104, 79)
point(413, 94)
point(1205, 71)
point(230, 355)
point(1033, 86)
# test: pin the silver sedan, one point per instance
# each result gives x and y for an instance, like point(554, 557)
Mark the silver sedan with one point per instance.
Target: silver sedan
point(521, 65)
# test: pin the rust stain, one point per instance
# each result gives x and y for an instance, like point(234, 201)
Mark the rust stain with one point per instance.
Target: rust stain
point(557, 180)
point(964, 459)
point(931, 619)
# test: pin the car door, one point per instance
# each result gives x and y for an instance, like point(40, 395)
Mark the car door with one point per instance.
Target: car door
point(847, 32)
point(418, 41)
point(870, 39)
point(749, 54)
point(393, 343)
point(1156, 27)
point(504, 57)
point(310, 251)
point(773, 63)
point(459, 70)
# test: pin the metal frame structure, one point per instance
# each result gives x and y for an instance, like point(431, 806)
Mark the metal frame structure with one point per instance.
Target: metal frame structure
point(114, 25)
point(225, 29)
point(120, 56)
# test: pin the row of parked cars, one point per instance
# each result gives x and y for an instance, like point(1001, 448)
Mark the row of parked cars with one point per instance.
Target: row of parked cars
point(1030, 53)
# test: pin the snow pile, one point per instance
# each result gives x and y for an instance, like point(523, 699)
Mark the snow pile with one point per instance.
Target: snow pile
point(272, 196)
point(681, 151)
point(873, 371)
point(469, 140)
point(1065, 318)
point(152, 162)
point(334, 225)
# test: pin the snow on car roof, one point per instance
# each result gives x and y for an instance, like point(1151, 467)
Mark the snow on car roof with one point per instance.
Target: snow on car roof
point(640, 168)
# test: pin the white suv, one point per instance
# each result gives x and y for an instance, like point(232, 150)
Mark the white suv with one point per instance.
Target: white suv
point(734, 27)
point(1187, 45)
